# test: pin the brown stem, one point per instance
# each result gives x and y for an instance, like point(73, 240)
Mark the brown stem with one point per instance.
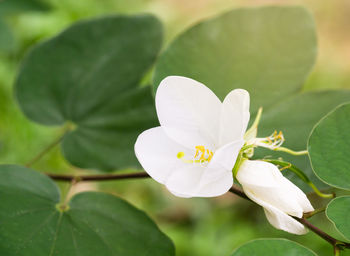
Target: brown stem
point(239, 193)
point(98, 177)
point(338, 245)
point(334, 242)
point(318, 231)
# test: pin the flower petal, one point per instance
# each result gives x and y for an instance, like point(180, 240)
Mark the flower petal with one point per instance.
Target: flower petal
point(234, 116)
point(188, 111)
point(299, 195)
point(259, 173)
point(281, 220)
point(190, 181)
point(278, 218)
point(281, 199)
point(280, 192)
point(225, 157)
point(157, 153)
point(207, 181)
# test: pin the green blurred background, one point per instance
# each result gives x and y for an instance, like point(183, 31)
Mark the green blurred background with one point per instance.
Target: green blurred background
point(198, 227)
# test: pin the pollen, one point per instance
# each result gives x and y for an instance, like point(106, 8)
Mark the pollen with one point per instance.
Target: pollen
point(180, 155)
point(276, 139)
point(202, 156)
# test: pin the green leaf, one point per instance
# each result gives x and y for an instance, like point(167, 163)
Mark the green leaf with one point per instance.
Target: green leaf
point(268, 51)
point(338, 212)
point(263, 247)
point(10, 7)
point(94, 224)
point(7, 40)
point(329, 148)
point(90, 75)
point(296, 116)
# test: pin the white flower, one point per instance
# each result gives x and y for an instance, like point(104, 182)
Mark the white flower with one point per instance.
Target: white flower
point(195, 147)
point(263, 183)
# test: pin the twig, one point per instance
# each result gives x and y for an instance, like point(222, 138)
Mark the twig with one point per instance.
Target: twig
point(239, 193)
point(310, 214)
point(98, 177)
point(318, 231)
point(338, 245)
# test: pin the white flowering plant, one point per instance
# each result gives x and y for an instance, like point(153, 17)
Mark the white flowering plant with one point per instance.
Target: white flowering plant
point(220, 111)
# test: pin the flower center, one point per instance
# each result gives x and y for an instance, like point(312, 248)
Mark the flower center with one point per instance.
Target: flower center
point(202, 156)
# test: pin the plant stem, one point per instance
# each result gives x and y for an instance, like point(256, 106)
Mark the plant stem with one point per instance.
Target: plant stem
point(292, 152)
point(239, 193)
point(310, 214)
point(319, 193)
point(318, 231)
point(98, 177)
point(336, 251)
point(63, 205)
point(54, 143)
point(338, 245)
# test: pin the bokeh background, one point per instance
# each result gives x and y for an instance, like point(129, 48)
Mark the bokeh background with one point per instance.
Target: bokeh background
point(198, 227)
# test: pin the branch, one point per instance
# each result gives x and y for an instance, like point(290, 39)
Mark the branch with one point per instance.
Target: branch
point(318, 231)
point(98, 177)
point(338, 245)
point(239, 193)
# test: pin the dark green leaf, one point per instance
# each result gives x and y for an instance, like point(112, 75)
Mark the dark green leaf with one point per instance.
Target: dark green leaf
point(263, 247)
point(9, 7)
point(268, 51)
point(94, 224)
point(338, 212)
point(329, 148)
point(89, 75)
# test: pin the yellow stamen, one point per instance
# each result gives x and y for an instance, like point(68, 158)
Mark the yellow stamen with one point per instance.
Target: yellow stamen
point(202, 155)
point(210, 156)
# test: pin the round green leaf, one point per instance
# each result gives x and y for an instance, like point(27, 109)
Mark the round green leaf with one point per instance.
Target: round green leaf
point(94, 224)
point(90, 75)
point(268, 51)
point(263, 247)
point(338, 212)
point(329, 148)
